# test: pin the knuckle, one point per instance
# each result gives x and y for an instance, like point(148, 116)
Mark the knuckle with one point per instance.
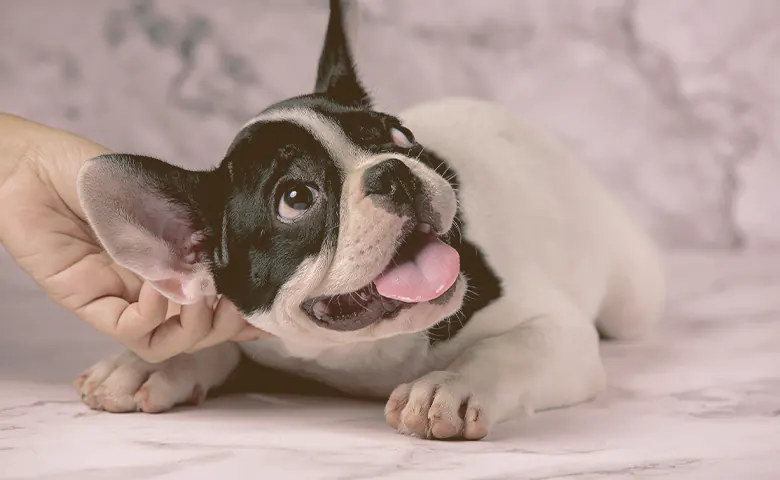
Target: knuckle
point(201, 325)
point(146, 356)
point(145, 352)
point(156, 357)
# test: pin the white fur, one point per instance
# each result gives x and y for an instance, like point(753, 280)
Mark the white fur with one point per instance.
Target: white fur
point(125, 383)
point(570, 259)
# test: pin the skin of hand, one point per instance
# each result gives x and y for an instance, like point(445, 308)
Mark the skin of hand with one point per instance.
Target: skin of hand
point(44, 229)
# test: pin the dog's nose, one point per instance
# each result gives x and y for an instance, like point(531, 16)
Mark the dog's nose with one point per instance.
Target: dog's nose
point(391, 178)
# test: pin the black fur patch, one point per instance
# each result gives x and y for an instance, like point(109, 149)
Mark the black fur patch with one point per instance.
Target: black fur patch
point(254, 252)
point(336, 74)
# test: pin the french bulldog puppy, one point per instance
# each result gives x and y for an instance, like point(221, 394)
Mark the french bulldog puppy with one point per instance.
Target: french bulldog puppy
point(447, 259)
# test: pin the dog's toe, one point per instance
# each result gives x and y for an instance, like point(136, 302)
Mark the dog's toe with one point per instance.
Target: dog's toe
point(128, 384)
point(440, 405)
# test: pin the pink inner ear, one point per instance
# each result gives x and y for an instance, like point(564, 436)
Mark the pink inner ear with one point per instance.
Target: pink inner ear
point(142, 228)
point(187, 245)
point(400, 139)
point(194, 254)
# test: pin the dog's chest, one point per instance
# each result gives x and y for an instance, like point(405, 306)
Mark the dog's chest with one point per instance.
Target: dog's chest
point(365, 368)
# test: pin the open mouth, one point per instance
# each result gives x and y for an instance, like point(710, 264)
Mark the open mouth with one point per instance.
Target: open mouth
point(423, 269)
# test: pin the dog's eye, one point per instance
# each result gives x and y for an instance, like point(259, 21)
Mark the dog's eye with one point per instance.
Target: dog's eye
point(296, 200)
point(402, 137)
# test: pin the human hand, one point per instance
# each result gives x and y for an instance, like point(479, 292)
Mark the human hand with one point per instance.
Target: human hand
point(43, 227)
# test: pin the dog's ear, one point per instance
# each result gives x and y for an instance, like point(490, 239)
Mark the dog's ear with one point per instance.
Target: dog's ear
point(336, 75)
point(148, 217)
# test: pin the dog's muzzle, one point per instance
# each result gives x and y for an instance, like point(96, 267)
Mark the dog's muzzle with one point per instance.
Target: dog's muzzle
point(424, 269)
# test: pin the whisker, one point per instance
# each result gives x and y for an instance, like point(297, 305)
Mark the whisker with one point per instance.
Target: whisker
point(422, 150)
point(358, 300)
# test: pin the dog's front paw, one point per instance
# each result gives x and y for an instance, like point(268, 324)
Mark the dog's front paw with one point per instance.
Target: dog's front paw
point(126, 383)
point(440, 405)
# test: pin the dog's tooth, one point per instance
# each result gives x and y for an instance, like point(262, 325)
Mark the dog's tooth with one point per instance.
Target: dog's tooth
point(320, 309)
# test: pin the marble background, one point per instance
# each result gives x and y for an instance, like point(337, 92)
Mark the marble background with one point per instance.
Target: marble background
point(674, 106)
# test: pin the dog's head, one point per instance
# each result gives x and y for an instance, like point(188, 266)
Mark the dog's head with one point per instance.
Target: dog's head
point(320, 223)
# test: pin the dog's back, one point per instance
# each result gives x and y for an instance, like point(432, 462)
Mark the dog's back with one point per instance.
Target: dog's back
point(539, 216)
point(544, 225)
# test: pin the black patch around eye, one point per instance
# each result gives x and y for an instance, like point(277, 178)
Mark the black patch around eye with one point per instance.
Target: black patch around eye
point(270, 163)
point(368, 134)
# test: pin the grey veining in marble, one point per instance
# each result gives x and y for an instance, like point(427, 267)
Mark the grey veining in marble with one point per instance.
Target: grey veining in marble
point(698, 400)
point(673, 103)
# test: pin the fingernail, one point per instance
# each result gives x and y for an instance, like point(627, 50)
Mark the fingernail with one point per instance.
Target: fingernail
point(245, 337)
point(250, 333)
point(211, 300)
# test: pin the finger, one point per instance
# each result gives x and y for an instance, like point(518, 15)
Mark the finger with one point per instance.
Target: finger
point(141, 318)
point(178, 333)
point(132, 282)
point(101, 296)
point(228, 322)
point(173, 309)
point(153, 307)
point(250, 333)
point(105, 314)
point(126, 321)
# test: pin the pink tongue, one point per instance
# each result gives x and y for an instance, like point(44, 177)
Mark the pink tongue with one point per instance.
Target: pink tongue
point(425, 277)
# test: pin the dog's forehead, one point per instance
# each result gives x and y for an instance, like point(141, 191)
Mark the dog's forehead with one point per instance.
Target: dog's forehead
point(273, 142)
point(350, 136)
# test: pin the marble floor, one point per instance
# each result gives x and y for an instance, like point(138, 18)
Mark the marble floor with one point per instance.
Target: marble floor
point(699, 400)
